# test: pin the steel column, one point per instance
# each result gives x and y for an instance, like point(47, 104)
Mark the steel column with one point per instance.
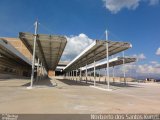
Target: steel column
point(94, 71)
point(73, 74)
point(99, 75)
point(38, 71)
point(76, 75)
point(107, 51)
point(80, 74)
point(41, 71)
point(86, 73)
point(124, 71)
point(33, 57)
point(113, 75)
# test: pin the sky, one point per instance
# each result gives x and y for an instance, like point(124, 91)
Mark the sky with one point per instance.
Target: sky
point(83, 21)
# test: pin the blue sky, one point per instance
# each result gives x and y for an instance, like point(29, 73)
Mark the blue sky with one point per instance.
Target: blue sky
point(135, 21)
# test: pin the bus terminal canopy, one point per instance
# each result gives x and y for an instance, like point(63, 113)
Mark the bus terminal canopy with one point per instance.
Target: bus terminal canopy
point(49, 48)
point(113, 62)
point(95, 52)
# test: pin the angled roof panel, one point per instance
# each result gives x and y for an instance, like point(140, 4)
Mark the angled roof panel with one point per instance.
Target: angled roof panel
point(97, 51)
point(112, 62)
point(49, 48)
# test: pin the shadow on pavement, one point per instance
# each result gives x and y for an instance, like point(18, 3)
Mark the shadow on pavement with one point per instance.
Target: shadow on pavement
point(46, 82)
point(120, 84)
point(73, 82)
point(89, 82)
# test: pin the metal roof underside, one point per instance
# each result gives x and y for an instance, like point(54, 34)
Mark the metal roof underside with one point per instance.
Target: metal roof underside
point(49, 48)
point(96, 51)
point(9, 53)
point(112, 62)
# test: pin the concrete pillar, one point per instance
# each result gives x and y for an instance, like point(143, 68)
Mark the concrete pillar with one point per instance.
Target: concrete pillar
point(51, 73)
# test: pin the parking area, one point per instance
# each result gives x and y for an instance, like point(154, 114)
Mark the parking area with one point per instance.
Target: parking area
point(58, 95)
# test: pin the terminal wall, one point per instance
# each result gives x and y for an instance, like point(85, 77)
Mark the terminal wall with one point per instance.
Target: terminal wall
point(18, 44)
point(12, 68)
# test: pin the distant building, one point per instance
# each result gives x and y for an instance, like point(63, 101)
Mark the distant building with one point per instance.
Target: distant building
point(150, 80)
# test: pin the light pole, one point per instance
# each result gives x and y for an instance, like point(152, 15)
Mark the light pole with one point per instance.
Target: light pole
point(33, 57)
point(107, 52)
point(124, 71)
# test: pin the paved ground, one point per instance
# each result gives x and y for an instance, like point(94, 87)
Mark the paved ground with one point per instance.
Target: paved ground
point(66, 96)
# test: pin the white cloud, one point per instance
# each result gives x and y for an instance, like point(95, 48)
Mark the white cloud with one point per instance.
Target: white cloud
point(158, 51)
point(148, 69)
point(154, 2)
point(75, 45)
point(115, 6)
point(140, 56)
point(154, 62)
point(141, 70)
